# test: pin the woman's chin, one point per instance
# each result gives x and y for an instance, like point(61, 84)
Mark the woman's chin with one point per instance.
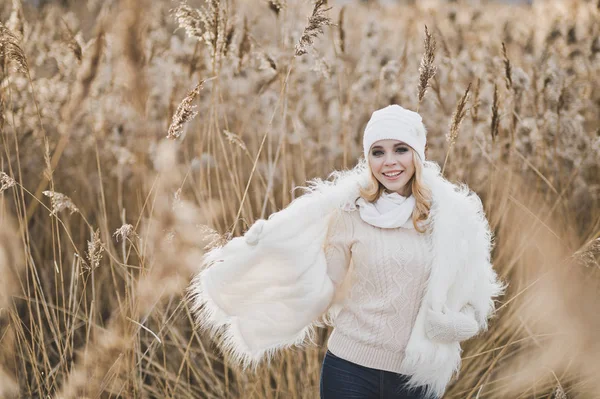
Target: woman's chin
point(395, 187)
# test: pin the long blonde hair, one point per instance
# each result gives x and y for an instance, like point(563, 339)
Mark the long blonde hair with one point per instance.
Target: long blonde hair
point(420, 191)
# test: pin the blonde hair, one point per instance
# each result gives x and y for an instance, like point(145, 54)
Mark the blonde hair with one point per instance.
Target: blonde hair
point(420, 191)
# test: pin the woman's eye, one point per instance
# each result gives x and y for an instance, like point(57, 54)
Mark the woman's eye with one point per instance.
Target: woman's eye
point(400, 150)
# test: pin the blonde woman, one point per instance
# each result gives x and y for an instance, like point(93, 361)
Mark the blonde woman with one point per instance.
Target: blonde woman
point(392, 255)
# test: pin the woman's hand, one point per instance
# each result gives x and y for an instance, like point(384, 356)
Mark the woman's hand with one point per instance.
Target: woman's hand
point(450, 326)
point(252, 236)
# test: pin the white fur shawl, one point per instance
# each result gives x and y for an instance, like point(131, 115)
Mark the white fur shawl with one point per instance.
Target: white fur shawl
point(269, 289)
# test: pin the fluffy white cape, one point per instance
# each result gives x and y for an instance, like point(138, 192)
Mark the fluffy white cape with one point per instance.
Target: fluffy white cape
point(269, 289)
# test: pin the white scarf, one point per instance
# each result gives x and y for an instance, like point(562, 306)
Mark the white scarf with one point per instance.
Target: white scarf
point(391, 210)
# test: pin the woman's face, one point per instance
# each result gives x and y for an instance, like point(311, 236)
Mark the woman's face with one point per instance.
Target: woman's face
point(392, 164)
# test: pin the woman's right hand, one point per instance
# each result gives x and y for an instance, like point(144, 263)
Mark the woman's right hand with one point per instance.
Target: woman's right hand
point(252, 236)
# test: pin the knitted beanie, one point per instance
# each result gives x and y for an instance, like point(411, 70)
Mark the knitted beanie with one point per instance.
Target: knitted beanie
point(395, 122)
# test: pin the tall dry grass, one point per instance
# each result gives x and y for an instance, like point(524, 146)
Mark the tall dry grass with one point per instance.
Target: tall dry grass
point(103, 219)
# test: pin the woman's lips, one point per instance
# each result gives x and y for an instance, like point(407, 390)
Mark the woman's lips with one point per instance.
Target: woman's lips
point(393, 177)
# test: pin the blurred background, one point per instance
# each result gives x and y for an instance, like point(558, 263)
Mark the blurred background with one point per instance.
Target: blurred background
point(137, 134)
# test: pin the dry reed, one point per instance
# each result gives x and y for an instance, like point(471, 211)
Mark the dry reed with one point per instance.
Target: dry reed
point(72, 43)
point(317, 20)
point(457, 117)
point(10, 269)
point(245, 45)
point(427, 69)
point(190, 19)
point(476, 102)
point(507, 69)
point(86, 75)
point(10, 51)
point(276, 6)
point(186, 111)
point(60, 202)
point(16, 20)
point(495, 121)
point(112, 321)
point(341, 31)
point(132, 25)
point(7, 182)
point(94, 251)
point(455, 122)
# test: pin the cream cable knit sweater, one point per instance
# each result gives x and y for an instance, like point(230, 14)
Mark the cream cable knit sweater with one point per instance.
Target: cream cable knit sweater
point(387, 281)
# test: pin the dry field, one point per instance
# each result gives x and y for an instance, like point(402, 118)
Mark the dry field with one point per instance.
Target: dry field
point(137, 133)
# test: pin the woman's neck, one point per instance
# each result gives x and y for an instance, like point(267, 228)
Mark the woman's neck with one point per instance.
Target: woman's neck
point(404, 191)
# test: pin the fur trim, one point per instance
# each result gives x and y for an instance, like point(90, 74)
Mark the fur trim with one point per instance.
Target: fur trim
point(270, 290)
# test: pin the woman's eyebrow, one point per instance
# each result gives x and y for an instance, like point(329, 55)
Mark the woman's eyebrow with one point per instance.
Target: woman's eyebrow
point(395, 145)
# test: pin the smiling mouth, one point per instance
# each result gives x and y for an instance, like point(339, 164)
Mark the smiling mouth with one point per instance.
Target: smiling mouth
point(392, 175)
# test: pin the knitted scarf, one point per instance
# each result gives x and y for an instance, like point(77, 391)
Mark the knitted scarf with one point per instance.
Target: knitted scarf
point(391, 210)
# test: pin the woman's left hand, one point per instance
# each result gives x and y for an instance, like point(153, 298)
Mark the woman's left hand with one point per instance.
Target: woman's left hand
point(450, 326)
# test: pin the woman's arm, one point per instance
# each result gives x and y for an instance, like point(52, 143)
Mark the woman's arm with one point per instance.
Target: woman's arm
point(337, 246)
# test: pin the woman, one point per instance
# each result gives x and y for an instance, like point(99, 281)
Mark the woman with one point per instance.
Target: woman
point(390, 253)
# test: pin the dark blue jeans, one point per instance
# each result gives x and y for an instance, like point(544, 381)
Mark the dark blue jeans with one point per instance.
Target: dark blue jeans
point(341, 379)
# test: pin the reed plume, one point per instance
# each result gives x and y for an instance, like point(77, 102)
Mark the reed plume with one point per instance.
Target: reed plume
point(427, 69)
point(124, 232)
point(94, 251)
point(589, 254)
point(214, 19)
point(185, 113)
point(445, 47)
point(235, 140)
point(270, 61)
point(208, 24)
point(495, 115)
point(457, 118)
point(16, 21)
point(10, 51)
point(507, 68)
point(60, 202)
point(476, 102)
point(228, 40)
point(131, 27)
point(86, 75)
point(276, 6)
point(48, 170)
point(190, 19)
point(559, 392)
point(6, 182)
point(316, 22)
point(72, 43)
point(2, 110)
point(341, 31)
point(595, 47)
point(245, 45)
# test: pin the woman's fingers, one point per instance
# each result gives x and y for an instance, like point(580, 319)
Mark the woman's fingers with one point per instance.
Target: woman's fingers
point(252, 236)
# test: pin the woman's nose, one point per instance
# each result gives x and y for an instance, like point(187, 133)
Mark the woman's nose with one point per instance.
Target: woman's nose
point(390, 160)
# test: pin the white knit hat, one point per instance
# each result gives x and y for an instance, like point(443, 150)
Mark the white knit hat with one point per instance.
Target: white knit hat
point(395, 122)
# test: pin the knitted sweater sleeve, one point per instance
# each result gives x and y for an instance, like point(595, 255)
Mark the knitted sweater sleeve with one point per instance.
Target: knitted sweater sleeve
point(337, 246)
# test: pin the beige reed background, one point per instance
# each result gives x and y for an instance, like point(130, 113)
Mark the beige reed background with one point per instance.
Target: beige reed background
point(135, 134)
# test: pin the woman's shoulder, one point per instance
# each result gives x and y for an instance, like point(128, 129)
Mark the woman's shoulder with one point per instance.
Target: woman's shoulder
point(350, 205)
point(344, 214)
